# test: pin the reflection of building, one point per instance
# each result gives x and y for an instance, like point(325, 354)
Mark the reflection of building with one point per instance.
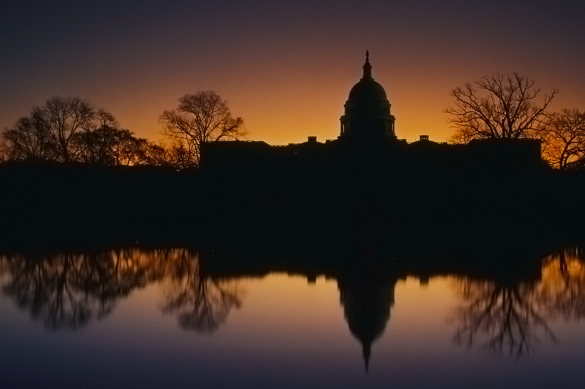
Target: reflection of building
point(367, 124)
point(366, 307)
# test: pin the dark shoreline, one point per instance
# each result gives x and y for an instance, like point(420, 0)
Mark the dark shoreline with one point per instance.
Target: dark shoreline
point(52, 207)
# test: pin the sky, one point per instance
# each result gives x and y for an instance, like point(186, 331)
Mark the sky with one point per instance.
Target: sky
point(286, 67)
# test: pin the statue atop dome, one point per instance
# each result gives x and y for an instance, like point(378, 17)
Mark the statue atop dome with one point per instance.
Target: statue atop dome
point(367, 66)
point(367, 110)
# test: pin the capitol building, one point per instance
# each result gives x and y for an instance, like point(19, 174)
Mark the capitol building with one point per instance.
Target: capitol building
point(368, 140)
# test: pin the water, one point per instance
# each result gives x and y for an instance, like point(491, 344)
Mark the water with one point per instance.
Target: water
point(165, 318)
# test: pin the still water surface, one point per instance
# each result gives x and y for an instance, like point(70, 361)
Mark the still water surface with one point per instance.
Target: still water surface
point(154, 318)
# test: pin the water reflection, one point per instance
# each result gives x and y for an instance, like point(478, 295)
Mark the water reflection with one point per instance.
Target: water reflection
point(562, 292)
point(507, 318)
point(200, 303)
point(69, 290)
point(506, 314)
point(511, 317)
point(366, 308)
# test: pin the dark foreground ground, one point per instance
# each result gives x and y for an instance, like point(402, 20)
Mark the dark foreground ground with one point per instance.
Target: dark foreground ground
point(315, 215)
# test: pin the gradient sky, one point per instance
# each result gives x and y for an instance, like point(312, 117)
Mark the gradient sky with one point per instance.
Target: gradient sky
point(285, 67)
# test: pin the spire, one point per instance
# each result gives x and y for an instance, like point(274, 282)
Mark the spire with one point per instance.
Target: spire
point(367, 66)
point(366, 351)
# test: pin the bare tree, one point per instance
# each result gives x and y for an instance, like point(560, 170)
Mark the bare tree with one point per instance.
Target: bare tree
point(497, 106)
point(72, 130)
point(199, 118)
point(563, 138)
point(62, 117)
point(27, 139)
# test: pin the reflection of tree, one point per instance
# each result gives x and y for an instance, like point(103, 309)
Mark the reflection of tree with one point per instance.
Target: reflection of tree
point(69, 290)
point(512, 318)
point(201, 304)
point(563, 293)
point(43, 287)
point(505, 316)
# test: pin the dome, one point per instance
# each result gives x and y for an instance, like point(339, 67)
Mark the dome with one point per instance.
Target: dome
point(367, 109)
point(367, 91)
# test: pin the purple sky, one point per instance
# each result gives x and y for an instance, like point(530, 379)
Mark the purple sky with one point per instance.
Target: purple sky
point(285, 67)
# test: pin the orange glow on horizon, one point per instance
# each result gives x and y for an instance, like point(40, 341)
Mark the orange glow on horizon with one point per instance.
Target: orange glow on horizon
point(285, 68)
point(285, 108)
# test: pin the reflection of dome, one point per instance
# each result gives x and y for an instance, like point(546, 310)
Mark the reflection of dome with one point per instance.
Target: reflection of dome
point(367, 110)
point(367, 311)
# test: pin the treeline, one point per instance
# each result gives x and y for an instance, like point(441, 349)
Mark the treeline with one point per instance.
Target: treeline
point(72, 130)
point(69, 129)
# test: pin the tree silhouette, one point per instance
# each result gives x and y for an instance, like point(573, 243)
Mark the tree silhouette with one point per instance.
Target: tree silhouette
point(497, 106)
point(110, 145)
point(563, 138)
point(62, 130)
point(72, 130)
point(27, 139)
point(201, 304)
point(4, 150)
point(157, 155)
point(199, 118)
point(62, 117)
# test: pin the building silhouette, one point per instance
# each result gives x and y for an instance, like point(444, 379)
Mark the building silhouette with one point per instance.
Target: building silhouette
point(367, 111)
point(368, 139)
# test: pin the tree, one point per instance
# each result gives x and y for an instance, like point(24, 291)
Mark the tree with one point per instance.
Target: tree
point(563, 138)
point(27, 139)
point(109, 145)
point(61, 118)
point(4, 150)
point(48, 132)
point(199, 118)
point(156, 155)
point(71, 130)
point(497, 106)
